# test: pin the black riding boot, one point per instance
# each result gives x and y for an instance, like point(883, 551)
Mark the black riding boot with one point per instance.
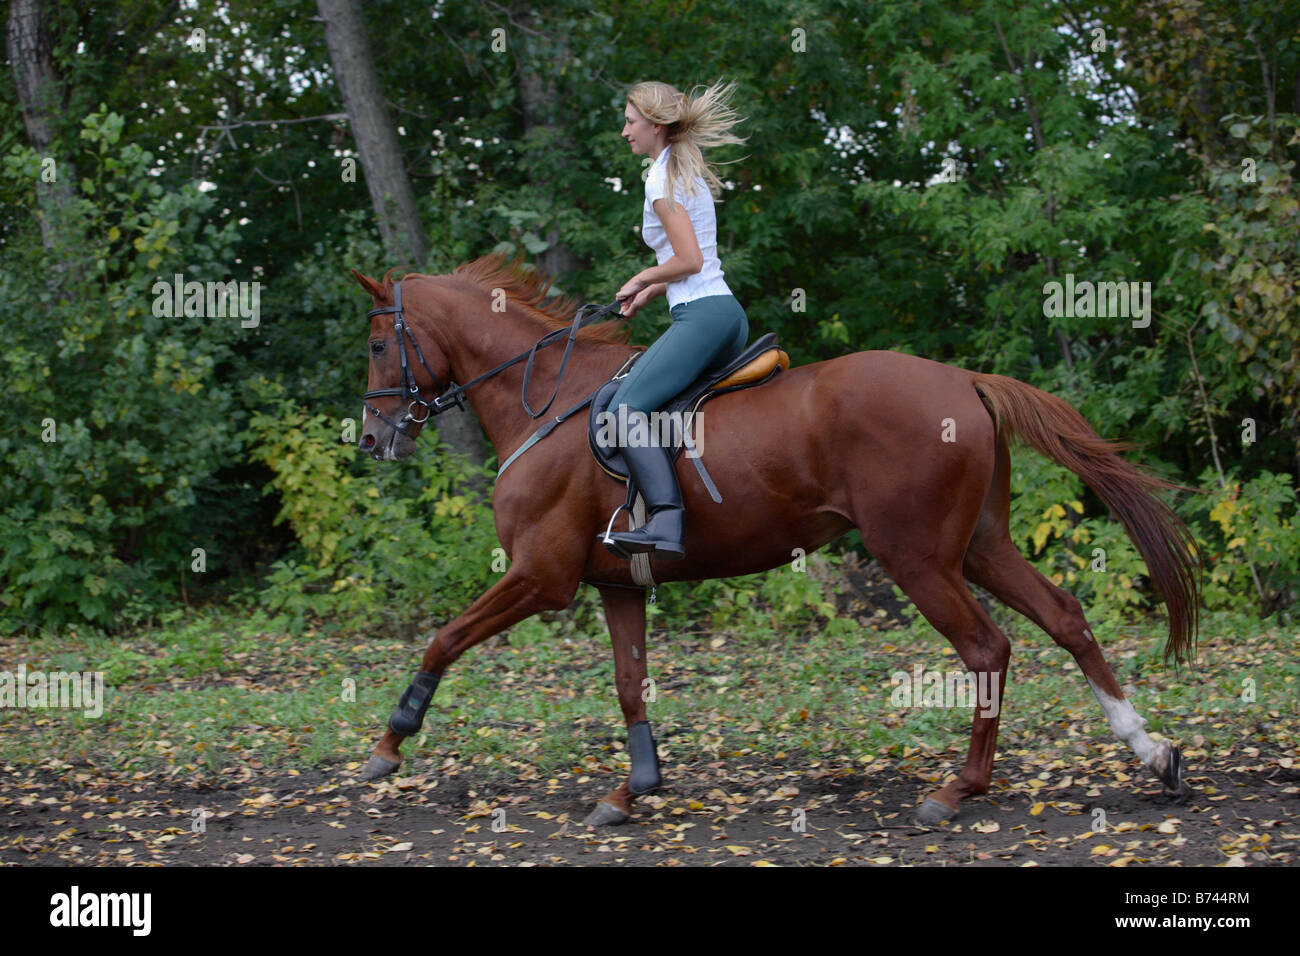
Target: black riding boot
point(651, 468)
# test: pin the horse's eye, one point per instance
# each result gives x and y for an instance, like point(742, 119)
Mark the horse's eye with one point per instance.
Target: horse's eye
point(377, 347)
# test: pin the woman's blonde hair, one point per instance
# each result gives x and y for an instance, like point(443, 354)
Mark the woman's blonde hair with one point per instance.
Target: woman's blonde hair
point(693, 123)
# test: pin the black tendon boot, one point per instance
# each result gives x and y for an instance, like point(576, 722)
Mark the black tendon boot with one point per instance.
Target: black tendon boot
point(651, 468)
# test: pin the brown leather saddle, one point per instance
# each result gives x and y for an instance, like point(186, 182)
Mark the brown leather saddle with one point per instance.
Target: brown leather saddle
point(754, 366)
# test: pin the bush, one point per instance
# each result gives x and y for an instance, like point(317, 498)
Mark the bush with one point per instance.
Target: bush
point(398, 546)
point(1251, 543)
point(118, 415)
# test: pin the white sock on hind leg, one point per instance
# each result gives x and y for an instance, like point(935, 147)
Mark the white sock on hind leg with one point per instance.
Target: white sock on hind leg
point(1127, 725)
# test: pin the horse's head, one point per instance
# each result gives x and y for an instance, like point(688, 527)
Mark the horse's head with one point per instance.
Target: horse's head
point(403, 386)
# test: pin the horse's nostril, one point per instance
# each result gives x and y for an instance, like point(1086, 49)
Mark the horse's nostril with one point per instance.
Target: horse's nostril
point(367, 442)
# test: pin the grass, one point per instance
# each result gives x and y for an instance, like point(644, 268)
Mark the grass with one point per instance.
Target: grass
point(221, 689)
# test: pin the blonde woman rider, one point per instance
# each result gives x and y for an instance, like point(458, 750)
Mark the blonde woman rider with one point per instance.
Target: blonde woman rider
point(709, 328)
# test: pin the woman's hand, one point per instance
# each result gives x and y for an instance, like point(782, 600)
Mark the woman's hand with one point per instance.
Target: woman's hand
point(637, 302)
point(632, 287)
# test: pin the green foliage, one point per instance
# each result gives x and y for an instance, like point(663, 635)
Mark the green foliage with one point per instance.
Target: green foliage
point(1253, 543)
point(1253, 274)
point(1119, 163)
point(396, 553)
point(1107, 573)
point(784, 599)
point(1050, 527)
point(1091, 557)
point(1245, 532)
point(121, 417)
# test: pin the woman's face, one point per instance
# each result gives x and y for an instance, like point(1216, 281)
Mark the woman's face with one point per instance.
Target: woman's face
point(638, 131)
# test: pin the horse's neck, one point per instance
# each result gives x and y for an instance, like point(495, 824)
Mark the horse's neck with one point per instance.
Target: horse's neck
point(497, 400)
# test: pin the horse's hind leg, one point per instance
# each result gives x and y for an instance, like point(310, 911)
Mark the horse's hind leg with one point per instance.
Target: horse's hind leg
point(947, 604)
point(919, 529)
point(993, 563)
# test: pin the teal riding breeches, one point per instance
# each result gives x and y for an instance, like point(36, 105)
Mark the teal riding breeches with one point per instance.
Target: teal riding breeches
point(705, 335)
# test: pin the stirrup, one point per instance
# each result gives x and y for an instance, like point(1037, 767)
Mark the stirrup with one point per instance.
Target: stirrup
point(615, 546)
point(665, 546)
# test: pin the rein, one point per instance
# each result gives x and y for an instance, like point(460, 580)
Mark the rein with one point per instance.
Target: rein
point(452, 394)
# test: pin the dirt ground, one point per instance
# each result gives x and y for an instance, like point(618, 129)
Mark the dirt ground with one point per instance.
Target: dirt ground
point(1060, 797)
point(732, 812)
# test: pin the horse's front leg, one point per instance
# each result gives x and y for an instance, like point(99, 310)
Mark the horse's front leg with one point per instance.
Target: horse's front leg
point(625, 616)
point(524, 591)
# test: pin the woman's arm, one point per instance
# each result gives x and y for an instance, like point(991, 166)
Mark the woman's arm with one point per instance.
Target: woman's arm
point(687, 258)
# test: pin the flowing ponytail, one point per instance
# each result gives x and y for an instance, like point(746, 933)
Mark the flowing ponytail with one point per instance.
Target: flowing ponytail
point(694, 124)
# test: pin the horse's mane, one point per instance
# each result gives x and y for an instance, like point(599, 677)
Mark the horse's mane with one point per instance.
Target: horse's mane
point(528, 287)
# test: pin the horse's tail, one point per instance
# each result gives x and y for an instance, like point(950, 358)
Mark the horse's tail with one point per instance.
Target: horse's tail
point(1059, 432)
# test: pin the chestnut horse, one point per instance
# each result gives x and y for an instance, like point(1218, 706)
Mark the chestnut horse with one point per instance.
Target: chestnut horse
point(911, 452)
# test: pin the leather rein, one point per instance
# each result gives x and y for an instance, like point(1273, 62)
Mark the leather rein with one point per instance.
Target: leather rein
point(451, 393)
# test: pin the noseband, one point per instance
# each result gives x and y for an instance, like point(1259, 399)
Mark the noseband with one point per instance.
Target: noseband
point(452, 394)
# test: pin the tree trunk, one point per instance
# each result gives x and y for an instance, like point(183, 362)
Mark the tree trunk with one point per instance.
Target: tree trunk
point(541, 110)
point(27, 43)
point(372, 129)
point(390, 188)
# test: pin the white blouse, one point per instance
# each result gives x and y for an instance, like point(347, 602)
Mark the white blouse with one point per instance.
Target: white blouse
point(699, 206)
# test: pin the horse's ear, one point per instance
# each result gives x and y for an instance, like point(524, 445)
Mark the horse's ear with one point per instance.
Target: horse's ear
point(370, 285)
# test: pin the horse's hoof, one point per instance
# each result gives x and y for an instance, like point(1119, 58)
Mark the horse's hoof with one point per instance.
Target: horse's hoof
point(377, 767)
point(932, 813)
point(1172, 774)
point(606, 815)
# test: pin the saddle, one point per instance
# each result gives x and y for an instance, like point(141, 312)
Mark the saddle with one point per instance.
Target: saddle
point(754, 366)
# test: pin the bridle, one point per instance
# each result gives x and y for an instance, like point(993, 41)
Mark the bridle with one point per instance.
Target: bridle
point(451, 395)
point(408, 387)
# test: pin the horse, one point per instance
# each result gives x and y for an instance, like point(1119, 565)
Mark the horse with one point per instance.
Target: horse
point(911, 452)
